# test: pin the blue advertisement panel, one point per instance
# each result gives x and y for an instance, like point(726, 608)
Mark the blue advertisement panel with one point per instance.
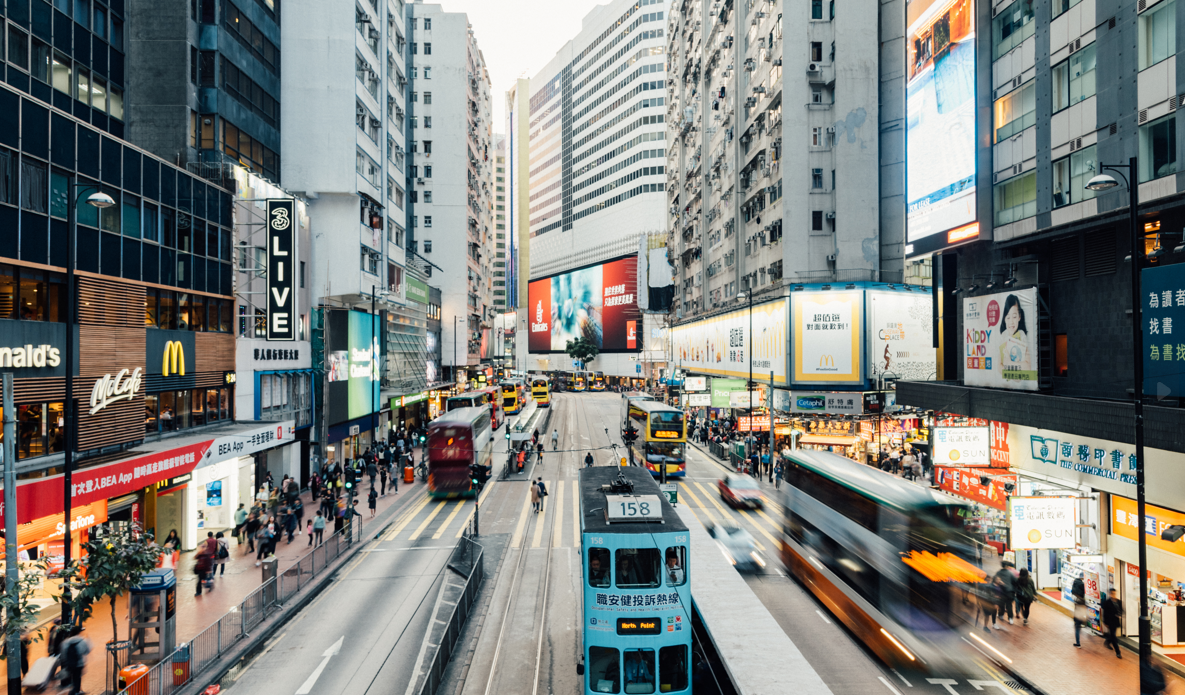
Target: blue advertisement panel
point(1164, 330)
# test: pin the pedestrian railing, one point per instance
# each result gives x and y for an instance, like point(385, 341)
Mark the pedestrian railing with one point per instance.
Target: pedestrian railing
point(189, 660)
point(466, 562)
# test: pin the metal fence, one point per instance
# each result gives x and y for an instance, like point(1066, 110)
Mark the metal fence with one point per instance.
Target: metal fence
point(182, 666)
point(466, 561)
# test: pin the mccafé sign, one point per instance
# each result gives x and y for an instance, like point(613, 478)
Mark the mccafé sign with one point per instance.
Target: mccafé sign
point(112, 389)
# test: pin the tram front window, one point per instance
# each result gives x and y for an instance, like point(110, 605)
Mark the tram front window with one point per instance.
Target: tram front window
point(639, 671)
point(664, 452)
point(638, 568)
point(603, 670)
point(598, 567)
point(672, 668)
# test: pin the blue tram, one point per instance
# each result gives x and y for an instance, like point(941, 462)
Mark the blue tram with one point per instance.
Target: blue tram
point(637, 598)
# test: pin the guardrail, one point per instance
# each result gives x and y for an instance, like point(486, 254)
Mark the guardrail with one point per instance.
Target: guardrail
point(466, 561)
point(181, 667)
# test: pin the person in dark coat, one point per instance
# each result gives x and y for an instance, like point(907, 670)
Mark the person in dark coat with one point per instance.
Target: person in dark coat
point(1026, 591)
point(1112, 610)
point(1007, 591)
point(1078, 592)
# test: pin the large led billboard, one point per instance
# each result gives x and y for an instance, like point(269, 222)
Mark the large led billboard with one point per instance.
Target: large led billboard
point(940, 129)
point(1000, 340)
point(827, 328)
point(598, 303)
point(354, 371)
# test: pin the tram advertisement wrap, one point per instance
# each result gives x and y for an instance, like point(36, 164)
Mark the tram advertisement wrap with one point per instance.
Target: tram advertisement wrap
point(598, 303)
point(1000, 340)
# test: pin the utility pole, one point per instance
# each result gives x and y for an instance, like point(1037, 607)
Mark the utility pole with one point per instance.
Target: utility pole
point(11, 571)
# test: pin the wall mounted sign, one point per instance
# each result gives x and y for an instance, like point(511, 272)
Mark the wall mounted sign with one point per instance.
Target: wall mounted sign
point(29, 356)
point(173, 359)
point(112, 389)
point(281, 288)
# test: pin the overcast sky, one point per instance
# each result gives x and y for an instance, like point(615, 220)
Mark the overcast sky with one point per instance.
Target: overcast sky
point(518, 37)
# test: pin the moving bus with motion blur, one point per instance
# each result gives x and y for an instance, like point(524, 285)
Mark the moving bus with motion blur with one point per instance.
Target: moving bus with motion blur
point(661, 438)
point(635, 586)
point(890, 559)
point(541, 391)
point(514, 396)
point(456, 440)
point(597, 381)
point(491, 396)
point(579, 381)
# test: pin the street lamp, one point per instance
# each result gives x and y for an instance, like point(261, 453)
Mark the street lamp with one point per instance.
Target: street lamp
point(101, 201)
point(1105, 182)
point(743, 296)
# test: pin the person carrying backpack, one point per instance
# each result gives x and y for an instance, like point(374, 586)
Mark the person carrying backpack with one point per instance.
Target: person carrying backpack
point(72, 657)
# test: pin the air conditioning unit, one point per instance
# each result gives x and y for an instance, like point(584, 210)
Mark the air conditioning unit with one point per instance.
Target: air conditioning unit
point(812, 67)
point(831, 129)
point(831, 258)
point(830, 215)
point(359, 111)
point(419, 182)
point(777, 62)
point(375, 123)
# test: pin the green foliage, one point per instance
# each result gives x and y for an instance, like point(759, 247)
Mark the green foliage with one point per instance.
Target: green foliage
point(20, 614)
point(582, 349)
point(111, 566)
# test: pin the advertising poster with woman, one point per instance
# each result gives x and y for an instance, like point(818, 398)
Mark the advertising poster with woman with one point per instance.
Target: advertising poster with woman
point(1000, 340)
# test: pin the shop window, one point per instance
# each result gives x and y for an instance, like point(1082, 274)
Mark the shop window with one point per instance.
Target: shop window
point(168, 411)
point(168, 310)
point(183, 316)
point(181, 418)
point(224, 401)
point(8, 292)
point(197, 313)
point(33, 295)
point(151, 413)
point(212, 405)
point(198, 407)
point(1061, 362)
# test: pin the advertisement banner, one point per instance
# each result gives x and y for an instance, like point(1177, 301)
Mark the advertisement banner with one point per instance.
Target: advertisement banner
point(1042, 522)
point(695, 383)
point(417, 290)
point(1000, 340)
point(722, 391)
point(743, 399)
point(1163, 305)
point(1125, 522)
point(699, 399)
point(720, 345)
point(364, 364)
point(826, 333)
point(833, 403)
point(757, 423)
point(599, 304)
point(967, 484)
point(281, 277)
point(901, 336)
point(961, 446)
point(940, 127)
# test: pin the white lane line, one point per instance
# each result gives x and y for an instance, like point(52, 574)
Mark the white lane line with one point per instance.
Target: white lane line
point(824, 617)
point(888, 685)
point(907, 683)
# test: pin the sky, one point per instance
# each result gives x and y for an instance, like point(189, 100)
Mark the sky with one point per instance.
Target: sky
point(518, 37)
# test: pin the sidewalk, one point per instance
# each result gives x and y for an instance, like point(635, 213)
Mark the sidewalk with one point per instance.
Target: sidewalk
point(241, 577)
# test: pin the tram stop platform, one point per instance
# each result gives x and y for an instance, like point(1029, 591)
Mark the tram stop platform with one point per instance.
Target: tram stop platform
point(755, 652)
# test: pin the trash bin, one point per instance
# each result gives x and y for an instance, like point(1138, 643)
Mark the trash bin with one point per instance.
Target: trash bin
point(181, 665)
point(409, 474)
point(131, 678)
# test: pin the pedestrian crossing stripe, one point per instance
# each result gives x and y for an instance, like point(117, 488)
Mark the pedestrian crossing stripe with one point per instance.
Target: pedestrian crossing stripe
point(726, 515)
point(452, 515)
point(427, 520)
point(406, 519)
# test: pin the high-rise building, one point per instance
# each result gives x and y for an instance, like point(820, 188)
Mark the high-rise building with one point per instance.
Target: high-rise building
point(453, 161)
point(518, 228)
point(778, 172)
point(206, 75)
point(503, 294)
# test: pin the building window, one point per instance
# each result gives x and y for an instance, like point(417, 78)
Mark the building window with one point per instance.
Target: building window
point(367, 168)
point(427, 98)
point(1070, 175)
point(398, 197)
point(816, 51)
point(1061, 361)
point(1016, 111)
point(1060, 6)
point(1158, 148)
point(817, 220)
point(816, 137)
point(18, 47)
point(427, 171)
point(427, 24)
point(61, 73)
point(427, 121)
point(427, 48)
point(816, 9)
point(427, 147)
point(816, 179)
point(427, 220)
point(1011, 26)
point(1015, 199)
point(415, 48)
point(427, 73)
point(428, 244)
point(427, 196)
point(1074, 79)
point(39, 63)
point(1158, 34)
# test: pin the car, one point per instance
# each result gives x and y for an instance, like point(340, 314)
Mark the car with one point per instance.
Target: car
point(741, 491)
point(737, 545)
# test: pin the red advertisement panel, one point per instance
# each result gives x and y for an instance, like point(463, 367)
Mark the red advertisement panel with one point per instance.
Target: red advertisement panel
point(539, 316)
point(965, 483)
point(631, 335)
point(619, 285)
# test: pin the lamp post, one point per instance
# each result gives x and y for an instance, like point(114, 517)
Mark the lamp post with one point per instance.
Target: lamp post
point(99, 200)
point(749, 349)
point(1104, 182)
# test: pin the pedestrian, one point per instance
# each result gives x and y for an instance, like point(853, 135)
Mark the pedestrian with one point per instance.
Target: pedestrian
point(778, 471)
point(588, 460)
point(1026, 591)
point(535, 500)
point(172, 541)
point(542, 491)
point(555, 439)
point(1081, 612)
point(1007, 583)
point(263, 537)
point(319, 526)
point(384, 471)
point(907, 465)
point(221, 553)
point(290, 525)
point(203, 562)
point(539, 451)
point(1112, 609)
point(372, 472)
point(240, 519)
point(372, 500)
point(297, 508)
point(73, 658)
point(250, 528)
point(309, 531)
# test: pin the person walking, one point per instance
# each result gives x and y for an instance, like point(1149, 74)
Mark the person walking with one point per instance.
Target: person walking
point(1007, 590)
point(309, 532)
point(372, 472)
point(384, 471)
point(290, 525)
point(1026, 591)
point(240, 519)
point(1081, 612)
point(555, 439)
point(249, 529)
point(542, 491)
point(535, 499)
point(221, 554)
point(263, 539)
point(778, 471)
point(319, 526)
point(588, 460)
point(1112, 610)
point(372, 500)
point(203, 563)
point(72, 656)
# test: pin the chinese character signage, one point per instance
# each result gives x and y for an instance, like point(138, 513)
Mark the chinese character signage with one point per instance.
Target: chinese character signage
point(816, 402)
point(961, 446)
point(1042, 522)
point(1125, 522)
point(1000, 340)
point(968, 484)
point(827, 337)
point(721, 345)
point(1163, 308)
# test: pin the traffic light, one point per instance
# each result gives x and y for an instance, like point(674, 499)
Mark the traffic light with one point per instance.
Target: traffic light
point(423, 438)
point(508, 432)
point(350, 480)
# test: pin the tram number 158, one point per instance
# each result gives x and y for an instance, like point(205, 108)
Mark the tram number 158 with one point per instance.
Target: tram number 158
point(633, 507)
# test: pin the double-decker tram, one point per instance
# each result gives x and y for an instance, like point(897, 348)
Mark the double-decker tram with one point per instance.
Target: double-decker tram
point(541, 391)
point(514, 396)
point(491, 396)
point(579, 381)
point(637, 599)
point(660, 437)
point(890, 559)
point(596, 381)
point(457, 440)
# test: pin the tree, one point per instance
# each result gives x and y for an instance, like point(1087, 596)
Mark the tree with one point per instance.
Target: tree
point(582, 349)
point(111, 566)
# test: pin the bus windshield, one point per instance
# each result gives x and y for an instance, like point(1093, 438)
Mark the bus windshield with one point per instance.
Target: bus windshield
point(664, 452)
point(667, 418)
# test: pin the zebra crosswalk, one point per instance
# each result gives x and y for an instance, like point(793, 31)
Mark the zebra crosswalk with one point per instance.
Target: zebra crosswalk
point(561, 513)
point(706, 506)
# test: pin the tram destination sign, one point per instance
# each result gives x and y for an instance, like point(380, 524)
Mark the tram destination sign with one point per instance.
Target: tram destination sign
point(622, 508)
point(639, 626)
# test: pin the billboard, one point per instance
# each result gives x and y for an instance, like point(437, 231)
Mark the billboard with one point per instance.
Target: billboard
point(722, 390)
point(969, 484)
point(720, 345)
point(818, 402)
point(961, 446)
point(598, 303)
point(354, 373)
point(1042, 522)
point(281, 277)
point(1163, 299)
point(940, 128)
point(827, 334)
point(901, 335)
point(1000, 340)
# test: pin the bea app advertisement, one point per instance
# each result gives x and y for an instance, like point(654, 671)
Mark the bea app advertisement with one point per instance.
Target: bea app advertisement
point(599, 304)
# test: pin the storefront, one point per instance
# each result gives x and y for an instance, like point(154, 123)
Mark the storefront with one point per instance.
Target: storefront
point(1166, 570)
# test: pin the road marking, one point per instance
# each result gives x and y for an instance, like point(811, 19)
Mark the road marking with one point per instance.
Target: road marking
point(517, 539)
point(907, 683)
point(333, 651)
point(557, 533)
point(824, 617)
point(449, 519)
point(726, 515)
point(702, 507)
point(761, 528)
point(772, 524)
point(424, 524)
point(405, 519)
point(575, 514)
point(888, 685)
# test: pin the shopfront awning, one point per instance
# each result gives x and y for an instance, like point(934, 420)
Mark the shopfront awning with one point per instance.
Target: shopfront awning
point(832, 439)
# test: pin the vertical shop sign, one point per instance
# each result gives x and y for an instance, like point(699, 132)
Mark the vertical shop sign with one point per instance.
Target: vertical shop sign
point(1164, 350)
point(281, 290)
